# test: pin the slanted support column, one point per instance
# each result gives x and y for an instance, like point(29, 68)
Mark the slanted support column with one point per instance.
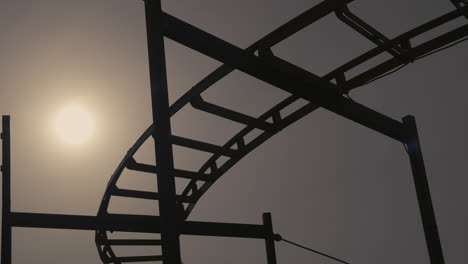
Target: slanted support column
point(422, 190)
point(162, 134)
point(269, 239)
point(6, 191)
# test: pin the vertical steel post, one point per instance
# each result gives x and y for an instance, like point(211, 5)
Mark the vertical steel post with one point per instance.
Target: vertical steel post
point(6, 191)
point(269, 238)
point(422, 191)
point(162, 133)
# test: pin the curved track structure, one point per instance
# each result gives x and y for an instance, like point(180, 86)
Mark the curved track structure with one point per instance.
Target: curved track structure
point(275, 119)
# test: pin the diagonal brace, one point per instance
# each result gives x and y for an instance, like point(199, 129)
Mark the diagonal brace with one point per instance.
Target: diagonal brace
point(284, 76)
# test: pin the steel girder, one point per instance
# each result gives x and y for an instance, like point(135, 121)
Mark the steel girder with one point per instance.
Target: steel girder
point(259, 61)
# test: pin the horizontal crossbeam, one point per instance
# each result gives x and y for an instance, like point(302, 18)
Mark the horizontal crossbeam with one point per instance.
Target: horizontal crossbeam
point(135, 223)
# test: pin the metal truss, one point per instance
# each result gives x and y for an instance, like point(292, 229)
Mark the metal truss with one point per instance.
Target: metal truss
point(258, 61)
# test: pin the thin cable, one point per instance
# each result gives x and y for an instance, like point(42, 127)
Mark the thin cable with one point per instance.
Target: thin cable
point(386, 74)
point(406, 148)
point(315, 251)
point(443, 48)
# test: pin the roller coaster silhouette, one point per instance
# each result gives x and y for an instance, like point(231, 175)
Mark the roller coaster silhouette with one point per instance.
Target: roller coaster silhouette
point(328, 91)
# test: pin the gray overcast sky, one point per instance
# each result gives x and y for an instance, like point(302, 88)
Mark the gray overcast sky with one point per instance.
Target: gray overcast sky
point(329, 183)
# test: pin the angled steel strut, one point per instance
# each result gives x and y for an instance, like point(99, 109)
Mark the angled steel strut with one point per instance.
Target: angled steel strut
point(259, 61)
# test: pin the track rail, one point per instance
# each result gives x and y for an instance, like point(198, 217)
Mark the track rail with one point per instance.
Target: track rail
point(271, 121)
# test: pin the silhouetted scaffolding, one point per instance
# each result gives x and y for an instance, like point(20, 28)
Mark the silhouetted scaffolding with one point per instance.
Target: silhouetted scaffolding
point(258, 60)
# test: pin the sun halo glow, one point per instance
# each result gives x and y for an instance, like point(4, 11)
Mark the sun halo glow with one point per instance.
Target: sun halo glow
point(74, 125)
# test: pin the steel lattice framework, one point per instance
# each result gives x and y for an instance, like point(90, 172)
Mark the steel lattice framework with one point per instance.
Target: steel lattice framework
point(328, 91)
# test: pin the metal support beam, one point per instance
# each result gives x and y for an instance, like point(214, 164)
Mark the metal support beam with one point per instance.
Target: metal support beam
point(423, 192)
point(6, 191)
point(137, 223)
point(162, 134)
point(287, 77)
point(270, 239)
point(283, 32)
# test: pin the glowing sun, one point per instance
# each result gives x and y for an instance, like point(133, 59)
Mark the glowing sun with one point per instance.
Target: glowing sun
point(74, 125)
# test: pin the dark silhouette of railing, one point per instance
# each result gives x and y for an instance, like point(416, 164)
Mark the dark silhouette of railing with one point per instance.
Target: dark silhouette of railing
point(329, 91)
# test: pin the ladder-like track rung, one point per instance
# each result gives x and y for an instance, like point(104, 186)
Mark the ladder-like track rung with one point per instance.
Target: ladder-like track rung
point(130, 242)
point(132, 164)
point(191, 175)
point(145, 195)
point(200, 104)
point(202, 146)
point(135, 259)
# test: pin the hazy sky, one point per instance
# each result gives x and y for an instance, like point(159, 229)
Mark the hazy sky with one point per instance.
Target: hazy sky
point(330, 183)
